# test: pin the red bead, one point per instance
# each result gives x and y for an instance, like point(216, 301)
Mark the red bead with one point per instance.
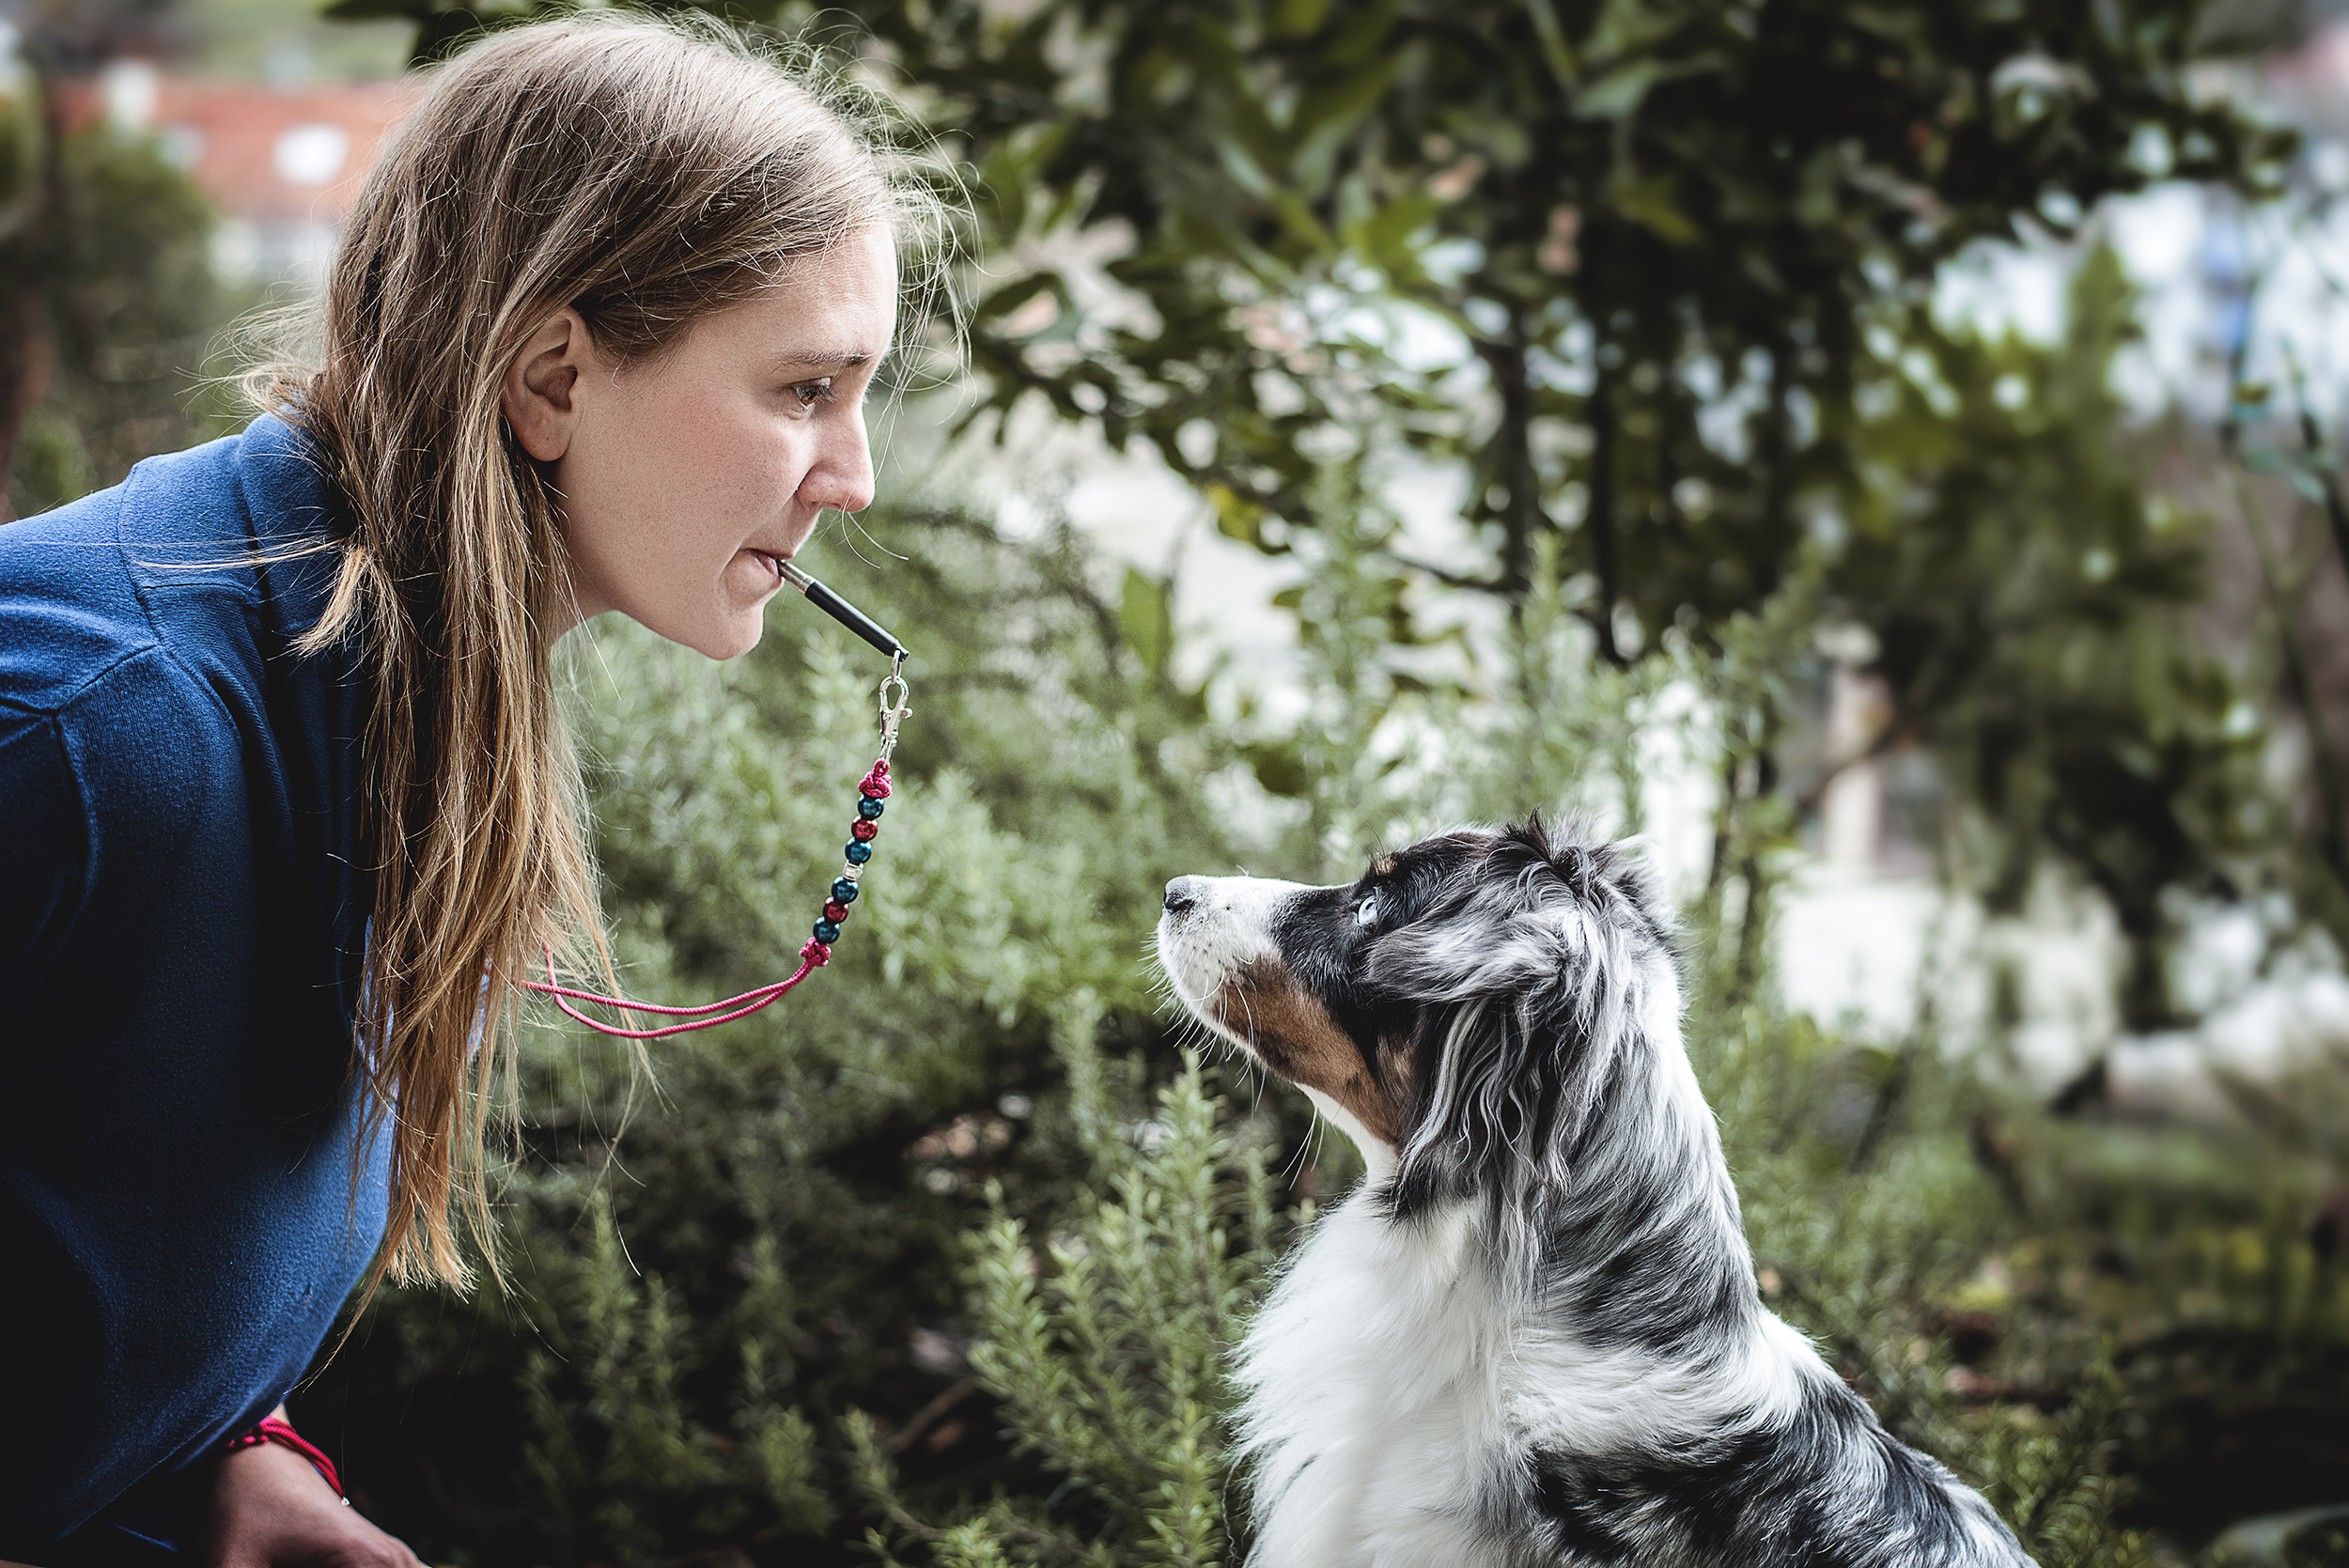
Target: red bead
point(834, 911)
point(864, 829)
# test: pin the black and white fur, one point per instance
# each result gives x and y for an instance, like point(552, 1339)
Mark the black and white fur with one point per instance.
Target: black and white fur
point(1532, 1335)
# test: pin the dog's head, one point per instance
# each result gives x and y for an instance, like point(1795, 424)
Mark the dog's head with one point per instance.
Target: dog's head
point(1461, 1009)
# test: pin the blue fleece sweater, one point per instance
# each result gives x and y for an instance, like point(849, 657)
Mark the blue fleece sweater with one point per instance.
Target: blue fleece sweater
point(182, 916)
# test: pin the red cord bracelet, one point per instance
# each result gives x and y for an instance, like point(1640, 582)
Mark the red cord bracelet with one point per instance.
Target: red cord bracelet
point(274, 1431)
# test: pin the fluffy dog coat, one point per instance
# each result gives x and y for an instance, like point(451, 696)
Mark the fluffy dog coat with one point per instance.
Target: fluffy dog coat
point(1531, 1336)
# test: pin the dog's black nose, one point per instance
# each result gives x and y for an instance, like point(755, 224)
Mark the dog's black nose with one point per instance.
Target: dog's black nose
point(1181, 893)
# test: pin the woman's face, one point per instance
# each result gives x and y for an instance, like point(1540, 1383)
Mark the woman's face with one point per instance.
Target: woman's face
point(683, 479)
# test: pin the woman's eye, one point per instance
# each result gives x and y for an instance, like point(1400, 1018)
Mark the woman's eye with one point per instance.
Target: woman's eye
point(812, 393)
point(1366, 912)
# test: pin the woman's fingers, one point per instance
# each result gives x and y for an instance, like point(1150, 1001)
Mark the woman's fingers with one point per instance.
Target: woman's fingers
point(271, 1510)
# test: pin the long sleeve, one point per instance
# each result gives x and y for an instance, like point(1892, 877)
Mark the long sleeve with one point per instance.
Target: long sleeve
point(44, 853)
point(181, 909)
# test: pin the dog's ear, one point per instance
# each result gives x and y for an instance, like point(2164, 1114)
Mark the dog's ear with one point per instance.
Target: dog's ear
point(1531, 983)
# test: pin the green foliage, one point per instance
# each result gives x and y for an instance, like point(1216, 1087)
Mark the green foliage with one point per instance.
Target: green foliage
point(939, 1260)
point(2044, 1479)
point(1653, 277)
point(1107, 1349)
point(123, 310)
point(2032, 602)
point(1624, 211)
point(625, 1464)
point(274, 40)
point(1614, 205)
point(696, 1314)
point(971, 1132)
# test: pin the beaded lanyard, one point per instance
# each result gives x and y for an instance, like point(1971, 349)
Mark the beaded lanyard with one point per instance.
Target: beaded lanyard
point(817, 952)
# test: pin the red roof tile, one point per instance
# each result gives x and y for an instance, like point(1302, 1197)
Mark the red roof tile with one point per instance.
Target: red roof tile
point(241, 140)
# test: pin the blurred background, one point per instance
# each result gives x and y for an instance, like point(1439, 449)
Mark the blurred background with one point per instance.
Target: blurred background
point(1884, 456)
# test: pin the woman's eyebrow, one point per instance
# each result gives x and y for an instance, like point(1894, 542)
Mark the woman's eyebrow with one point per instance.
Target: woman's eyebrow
point(846, 359)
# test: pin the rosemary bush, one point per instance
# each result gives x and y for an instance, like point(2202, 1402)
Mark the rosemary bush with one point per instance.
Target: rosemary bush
point(940, 1261)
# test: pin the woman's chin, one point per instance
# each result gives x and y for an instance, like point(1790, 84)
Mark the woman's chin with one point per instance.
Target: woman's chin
point(732, 640)
point(727, 634)
point(735, 630)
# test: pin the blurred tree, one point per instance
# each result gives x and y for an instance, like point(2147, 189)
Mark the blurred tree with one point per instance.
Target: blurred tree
point(112, 303)
point(22, 190)
point(1633, 265)
point(127, 310)
point(779, 1239)
point(1656, 230)
point(941, 1195)
point(73, 38)
point(2033, 607)
point(280, 40)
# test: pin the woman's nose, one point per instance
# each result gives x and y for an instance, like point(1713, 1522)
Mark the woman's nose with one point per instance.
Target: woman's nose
point(841, 475)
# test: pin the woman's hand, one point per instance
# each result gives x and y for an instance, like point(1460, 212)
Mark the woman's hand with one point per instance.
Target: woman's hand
point(271, 1510)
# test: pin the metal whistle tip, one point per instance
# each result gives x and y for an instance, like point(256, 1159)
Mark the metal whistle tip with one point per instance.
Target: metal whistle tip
point(840, 608)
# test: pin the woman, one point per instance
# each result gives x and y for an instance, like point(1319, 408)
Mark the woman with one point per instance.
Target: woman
point(290, 807)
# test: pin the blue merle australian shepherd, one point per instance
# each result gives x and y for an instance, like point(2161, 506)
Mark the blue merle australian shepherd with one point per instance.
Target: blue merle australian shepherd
point(1532, 1335)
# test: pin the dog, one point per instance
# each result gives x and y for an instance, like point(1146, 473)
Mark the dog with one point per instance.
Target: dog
point(1532, 1335)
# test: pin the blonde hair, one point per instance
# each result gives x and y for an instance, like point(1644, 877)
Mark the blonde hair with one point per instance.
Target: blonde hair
point(647, 173)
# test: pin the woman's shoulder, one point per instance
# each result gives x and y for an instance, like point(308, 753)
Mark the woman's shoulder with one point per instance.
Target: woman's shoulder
point(153, 708)
point(165, 562)
point(69, 612)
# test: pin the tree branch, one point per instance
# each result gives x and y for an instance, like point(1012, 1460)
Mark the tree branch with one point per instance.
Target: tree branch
point(1601, 520)
point(2324, 763)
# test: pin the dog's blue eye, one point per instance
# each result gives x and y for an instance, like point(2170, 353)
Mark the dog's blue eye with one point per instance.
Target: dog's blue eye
point(1367, 911)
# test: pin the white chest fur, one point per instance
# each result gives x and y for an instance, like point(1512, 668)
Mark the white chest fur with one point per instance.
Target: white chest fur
point(1374, 1413)
point(1396, 1396)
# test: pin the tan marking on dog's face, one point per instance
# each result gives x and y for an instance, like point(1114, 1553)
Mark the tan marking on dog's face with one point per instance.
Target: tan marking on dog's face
point(1383, 866)
point(1262, 1005)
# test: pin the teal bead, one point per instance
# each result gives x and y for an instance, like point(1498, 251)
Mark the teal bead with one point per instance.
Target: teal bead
point(859, 852)
point(826, 933)
point(845, 891)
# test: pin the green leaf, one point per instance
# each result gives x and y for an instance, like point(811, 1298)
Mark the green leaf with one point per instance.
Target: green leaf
point(1649, 203)
point(373, 10)
point(1383, 236)
point(1236, 515)
point(1297, 18)
point(1626, 25)
point(1619, 92)
point(1245, 171)
point(1013, 170)
point(1279, 768)
point(1555, 50)
point(1148, 620)
point(2305, 472)
point(1011, 296)
point(1328, 116)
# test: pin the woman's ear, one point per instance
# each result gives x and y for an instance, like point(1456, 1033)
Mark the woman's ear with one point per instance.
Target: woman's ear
point(540, 399)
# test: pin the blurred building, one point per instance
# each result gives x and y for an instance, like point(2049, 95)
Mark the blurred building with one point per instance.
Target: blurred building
point(282, 161)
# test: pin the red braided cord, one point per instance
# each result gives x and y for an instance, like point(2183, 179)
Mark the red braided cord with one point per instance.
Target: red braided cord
point(274, 1431)
point(813, 955)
